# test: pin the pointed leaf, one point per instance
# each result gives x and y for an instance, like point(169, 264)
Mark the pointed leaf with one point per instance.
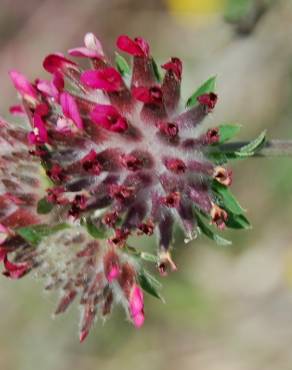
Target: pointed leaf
point(143, 255)
point(122, 65)
point(254, 146)
point(35, 233)
point(227, 132)
point(149, 257)
point(227, 198)
point(207, 87)
point(93, 230)
point(156, 71)
point(237, 222)
point(44, 207)
point(206, 230)
point(149, 284)
point(218, 157)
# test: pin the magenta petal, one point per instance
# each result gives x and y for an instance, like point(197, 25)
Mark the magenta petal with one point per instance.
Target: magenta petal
point(58, 81)
point(143, 44)
point(32, 138)
point(3, 229)
point(120, 125)
point(90, 163)
point(175, 66)
point(148, 96)
point(136, 300)
point(139, 319)
point(107, 79)
point(83, 52)
point(137, 47)
point(102, 111)
point(22, 85)
point(17, 110)
point(109, 118)
point(57, 62)
point(92, 48)
point(47, 88)
point(51, 88)
point(42, 109)
point(209, 100)
point(113, 274)
point(40, 135)
point(141, 93)
point(15, 270)
point(70, 109)
point(136, 306)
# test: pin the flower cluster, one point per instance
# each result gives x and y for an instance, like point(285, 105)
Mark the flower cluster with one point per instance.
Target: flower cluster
point(102, 155)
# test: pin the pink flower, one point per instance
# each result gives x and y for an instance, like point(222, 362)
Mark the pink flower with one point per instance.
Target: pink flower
point(51, 88)
point(208, 100)
point(168, 129)
point(108, 117)
point(17, 110)
point(113, 274)
point(107, 79)
point(137, 47)
point(13, 199)
point(91, 164)
point(174, 66)
point(152, 95)
point(111, 265)
point(175, 165)
point(92, 49)
point(219, 217)
point(23, 86)
point(171, 200)
point(42, 109)
point(15, 270)
point(58, 63)
point(56, 173)
point(212, 136)
point(39, 135)
point(70, 109)
point(122, 162)
point(136, 306)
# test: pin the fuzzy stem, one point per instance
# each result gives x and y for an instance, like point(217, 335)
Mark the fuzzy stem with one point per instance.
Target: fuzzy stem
point(272, 148)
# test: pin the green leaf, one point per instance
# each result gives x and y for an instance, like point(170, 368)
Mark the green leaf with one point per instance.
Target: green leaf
point(227, 198)
point(218, 158)
point(93, 230)
point(237, 222)
point(207, 87)
point(206, 230)
point(149, 257)
point(35, 233)
point(143, 255)
point(122, 65)
point(149, 284)
point(44, 207)
point(156, 71)
point(252, 147)
point(227, 132)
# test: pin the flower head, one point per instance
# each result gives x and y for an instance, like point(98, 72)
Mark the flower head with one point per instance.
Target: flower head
point(112, 157)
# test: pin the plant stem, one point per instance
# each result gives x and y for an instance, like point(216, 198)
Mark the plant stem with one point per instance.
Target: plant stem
point(272, 148)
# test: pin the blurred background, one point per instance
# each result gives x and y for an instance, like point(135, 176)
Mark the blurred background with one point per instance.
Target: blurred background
point(227, 308)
